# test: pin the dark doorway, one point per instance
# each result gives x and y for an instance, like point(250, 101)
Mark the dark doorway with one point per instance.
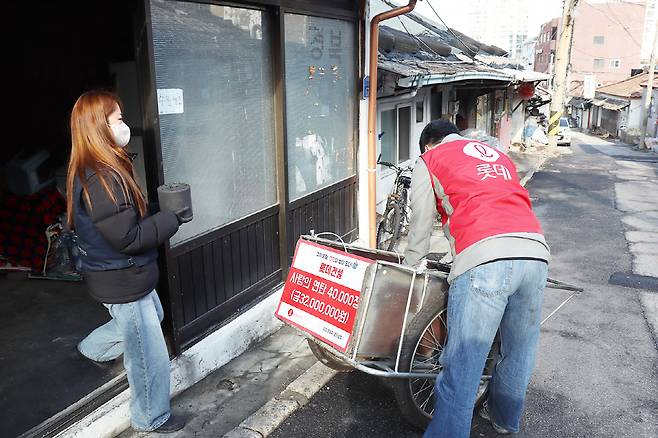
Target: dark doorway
point(67, 48)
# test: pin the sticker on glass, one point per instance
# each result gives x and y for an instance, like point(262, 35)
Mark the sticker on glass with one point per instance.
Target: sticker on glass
point(170, 101)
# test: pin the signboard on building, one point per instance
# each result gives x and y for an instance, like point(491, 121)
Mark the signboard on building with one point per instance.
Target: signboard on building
point(322, 292)
point(589, 86)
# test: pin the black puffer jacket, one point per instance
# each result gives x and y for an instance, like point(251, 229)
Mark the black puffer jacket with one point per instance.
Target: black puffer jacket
point(119, 248)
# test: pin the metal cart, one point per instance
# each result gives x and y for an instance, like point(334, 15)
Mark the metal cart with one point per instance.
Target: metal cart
point(400, 330)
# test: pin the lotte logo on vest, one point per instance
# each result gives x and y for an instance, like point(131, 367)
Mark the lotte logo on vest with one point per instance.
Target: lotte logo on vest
point(481, 152)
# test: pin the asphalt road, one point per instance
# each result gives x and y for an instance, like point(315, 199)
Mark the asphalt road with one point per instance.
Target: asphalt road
point(597, 366)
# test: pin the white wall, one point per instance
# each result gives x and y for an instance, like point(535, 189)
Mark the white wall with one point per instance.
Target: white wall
point(518, 118)
point(634, 120)
point(362, 151)
point(386, 176)
point(653, 114)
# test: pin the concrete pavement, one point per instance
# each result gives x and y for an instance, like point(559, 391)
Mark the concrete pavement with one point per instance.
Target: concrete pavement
point(637, 196)
point(220, 402)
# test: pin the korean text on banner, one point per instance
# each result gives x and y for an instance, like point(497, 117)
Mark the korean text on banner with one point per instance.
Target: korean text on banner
point(322, 292)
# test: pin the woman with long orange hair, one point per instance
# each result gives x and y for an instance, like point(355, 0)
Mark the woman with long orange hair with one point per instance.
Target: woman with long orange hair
point(118, 242)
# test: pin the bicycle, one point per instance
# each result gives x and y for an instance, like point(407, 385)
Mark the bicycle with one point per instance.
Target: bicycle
point(395, 219)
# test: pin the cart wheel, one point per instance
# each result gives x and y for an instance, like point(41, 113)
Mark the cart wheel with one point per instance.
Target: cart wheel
point(388, 230)
point(423, 343)
point(328, 358)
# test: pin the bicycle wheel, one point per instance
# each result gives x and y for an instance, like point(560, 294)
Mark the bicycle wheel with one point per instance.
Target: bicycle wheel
point(327, 358)
point(388, 230)
point(423, 343)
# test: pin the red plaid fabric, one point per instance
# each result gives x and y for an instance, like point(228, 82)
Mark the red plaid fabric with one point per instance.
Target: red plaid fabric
point(23, 223)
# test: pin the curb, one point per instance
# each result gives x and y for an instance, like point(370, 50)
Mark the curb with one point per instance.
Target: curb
point(265, 420)
point(649, 305)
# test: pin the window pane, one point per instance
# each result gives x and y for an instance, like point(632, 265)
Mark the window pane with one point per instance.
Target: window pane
point(404, 117)
point(436, 103)
point(420, 117)
point(598, 63)
point(214, 79)
point(388, 135)
point(320, 102)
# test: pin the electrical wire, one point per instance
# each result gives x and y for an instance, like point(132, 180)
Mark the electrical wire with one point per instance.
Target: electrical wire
point(613, 17)
point(470, 49)
point(416, 38)
point(602, 57)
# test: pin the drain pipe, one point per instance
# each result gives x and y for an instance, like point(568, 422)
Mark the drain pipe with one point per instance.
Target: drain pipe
point(372, 115)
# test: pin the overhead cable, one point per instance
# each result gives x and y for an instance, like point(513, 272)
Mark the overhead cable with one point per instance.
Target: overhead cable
point(470, 49)
point(416, 38)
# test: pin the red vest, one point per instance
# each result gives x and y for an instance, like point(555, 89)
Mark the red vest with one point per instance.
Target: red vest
point(478, 193)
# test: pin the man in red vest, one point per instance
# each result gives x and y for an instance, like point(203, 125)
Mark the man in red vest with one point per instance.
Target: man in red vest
point(499, 268)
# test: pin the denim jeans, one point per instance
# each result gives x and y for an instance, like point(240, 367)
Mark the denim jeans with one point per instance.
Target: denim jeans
point(135, 332)
point(505, 295)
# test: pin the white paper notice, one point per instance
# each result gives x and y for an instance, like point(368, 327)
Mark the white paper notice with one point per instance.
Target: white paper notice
point(170, 101)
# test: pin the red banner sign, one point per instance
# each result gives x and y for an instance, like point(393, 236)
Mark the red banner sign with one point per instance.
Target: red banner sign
point(322, 292)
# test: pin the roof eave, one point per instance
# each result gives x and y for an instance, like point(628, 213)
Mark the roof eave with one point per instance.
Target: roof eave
point(446, 78)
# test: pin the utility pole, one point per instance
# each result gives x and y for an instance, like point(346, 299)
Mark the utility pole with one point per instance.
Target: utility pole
point(647, 99)
point(562, 58)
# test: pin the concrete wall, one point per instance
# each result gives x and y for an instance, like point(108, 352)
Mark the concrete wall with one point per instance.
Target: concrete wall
point(634, 114)
point(518, 119)
point(652, 129)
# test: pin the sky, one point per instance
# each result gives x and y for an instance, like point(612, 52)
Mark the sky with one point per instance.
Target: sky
point(541, 11)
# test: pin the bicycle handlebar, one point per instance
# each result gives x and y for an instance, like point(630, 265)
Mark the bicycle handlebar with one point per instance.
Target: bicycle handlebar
point(393, 166)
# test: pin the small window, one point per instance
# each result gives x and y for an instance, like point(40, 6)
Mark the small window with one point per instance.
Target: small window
point(599, 40)
point(420, 114)
point(599, 63)
point(404, 133)
point(395, 134)
point(554, 33)
point(388, 131)
point(615, 63)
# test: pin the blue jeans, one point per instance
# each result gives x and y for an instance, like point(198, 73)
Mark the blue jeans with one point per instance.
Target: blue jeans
point(505, 295)
point(135, 332)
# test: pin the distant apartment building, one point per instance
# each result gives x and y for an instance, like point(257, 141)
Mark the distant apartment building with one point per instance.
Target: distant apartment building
point(527, 57)
point(503, 23)
point(546, 44)
point(607, 41)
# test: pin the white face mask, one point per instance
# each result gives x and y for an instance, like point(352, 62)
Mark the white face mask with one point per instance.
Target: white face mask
point(121, 133)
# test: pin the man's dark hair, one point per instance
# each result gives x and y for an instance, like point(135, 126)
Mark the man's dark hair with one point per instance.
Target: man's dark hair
point(435, 131)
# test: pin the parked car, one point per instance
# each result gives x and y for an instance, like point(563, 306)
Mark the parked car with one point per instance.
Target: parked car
point(564, 132)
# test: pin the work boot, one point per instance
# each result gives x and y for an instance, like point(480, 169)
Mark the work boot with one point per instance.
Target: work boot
point(173, 424)
point(484, 413)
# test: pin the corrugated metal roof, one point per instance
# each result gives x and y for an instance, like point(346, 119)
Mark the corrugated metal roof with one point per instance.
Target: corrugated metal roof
point(436, 57)
point(610, 104)
point(630, 88)
point(439, 72)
